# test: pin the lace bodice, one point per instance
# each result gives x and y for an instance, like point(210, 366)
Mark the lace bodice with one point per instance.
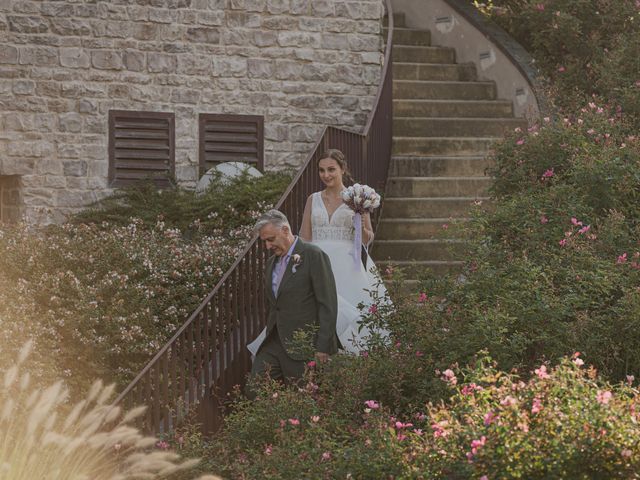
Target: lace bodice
point(338, 228)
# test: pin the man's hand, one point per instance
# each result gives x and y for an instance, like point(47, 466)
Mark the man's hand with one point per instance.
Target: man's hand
point(322, 357)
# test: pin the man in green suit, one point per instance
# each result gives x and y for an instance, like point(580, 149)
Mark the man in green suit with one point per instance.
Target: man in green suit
point(301, 299)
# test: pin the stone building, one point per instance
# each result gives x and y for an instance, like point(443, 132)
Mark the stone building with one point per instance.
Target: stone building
point(95, 94)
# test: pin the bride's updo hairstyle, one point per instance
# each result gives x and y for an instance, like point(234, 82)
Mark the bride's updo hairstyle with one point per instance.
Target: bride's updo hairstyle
point(338, 156)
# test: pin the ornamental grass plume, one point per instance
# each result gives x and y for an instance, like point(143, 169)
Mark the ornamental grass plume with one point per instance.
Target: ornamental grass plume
point(40, 437)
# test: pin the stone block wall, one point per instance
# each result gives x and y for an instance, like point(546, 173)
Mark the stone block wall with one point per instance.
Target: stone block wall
point(64, 64)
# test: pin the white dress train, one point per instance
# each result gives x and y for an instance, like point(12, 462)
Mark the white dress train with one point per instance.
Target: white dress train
point(353, 283)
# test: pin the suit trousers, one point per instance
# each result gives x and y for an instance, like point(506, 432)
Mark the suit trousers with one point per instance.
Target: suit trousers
point(273, 358)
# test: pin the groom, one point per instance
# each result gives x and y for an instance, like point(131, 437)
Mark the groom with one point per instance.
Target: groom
point(302, 299)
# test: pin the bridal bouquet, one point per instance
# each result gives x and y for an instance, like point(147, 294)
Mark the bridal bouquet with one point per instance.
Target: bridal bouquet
point(361, 199)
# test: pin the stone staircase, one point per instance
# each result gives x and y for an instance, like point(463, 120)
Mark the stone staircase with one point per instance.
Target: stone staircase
point(445, 122)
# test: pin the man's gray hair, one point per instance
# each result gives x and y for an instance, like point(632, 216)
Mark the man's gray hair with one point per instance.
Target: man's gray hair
point(273, 217)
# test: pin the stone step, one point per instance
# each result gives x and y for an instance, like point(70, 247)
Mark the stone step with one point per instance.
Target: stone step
point(441, 90)
point(413, 228)
point(452, 108)
point(421, 54)
point(399, 20)
point(398, 250)
point(442, 146)
point(429, 207)
point(437, 186)
point(463, 72)
point(455, 127)
point(402, 166)
point(413, 268)
point(409, 36)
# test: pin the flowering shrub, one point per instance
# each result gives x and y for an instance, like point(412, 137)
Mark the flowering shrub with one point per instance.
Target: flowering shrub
point(561, 423)
point(584, 46)
point(100, 299)
point(554, 264)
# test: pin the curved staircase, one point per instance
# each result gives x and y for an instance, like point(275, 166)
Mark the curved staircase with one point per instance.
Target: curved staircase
point(445, 122)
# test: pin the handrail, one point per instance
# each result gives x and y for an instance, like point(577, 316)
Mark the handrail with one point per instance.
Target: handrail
point(207, 356)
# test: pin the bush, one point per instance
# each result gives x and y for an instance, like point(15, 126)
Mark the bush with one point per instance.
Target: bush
point(562, 423)
point(584, 46)
point(554, 264)
point(99, 299)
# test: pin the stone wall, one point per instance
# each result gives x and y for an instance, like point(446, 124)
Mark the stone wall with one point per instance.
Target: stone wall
point(64, 64)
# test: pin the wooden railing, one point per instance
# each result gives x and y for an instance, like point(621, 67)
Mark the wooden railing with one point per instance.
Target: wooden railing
point(197, 369)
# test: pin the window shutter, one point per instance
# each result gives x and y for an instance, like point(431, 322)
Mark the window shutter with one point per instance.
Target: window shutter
point(141, 146)
point(231, 138)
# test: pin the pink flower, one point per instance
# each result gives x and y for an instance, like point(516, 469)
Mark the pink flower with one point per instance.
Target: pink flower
point(479, 443)
point(520, 141)
point(419, 354)
point(547, 174)
point(268, 450)
point(603, 397)
point(315, 419)
point(489, 418)
point(563, 242)
point(536, 406)
point(439, 430)
point(584, 229)
point(373, 308)
point(544, 220)
point(372, 404)
point(541, 372)
point(400, 425)
point(578, 361)
point(162, 445)
point(622, 258)
point(401, 437)
point(561, 69)
point(508, 401)
point(540, 7)
point(626, 453)
point(470, 389)
point(575, 222)
point(591, 131)
point(445, 226)
point(422, 298)
point(449, 376)
point(294, 421)
point(326, 456)
point(417, 431)
point(311, 364)
point(630, 379)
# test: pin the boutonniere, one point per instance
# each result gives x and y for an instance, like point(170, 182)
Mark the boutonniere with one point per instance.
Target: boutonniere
point(297, 260)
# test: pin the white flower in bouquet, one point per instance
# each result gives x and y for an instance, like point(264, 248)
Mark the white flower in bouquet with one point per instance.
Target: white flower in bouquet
point(361, 198)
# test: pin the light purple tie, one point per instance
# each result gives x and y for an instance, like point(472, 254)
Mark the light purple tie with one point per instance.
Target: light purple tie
point(282, 266)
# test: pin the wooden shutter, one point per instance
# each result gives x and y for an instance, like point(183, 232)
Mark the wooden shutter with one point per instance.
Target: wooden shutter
point(10, 198)
point(231, 138)
point(141, 146)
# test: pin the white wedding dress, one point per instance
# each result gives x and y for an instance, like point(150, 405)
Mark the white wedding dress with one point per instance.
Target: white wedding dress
point(353, 283)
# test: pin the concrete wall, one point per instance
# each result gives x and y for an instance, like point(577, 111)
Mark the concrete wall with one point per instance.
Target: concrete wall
point(451, 29)
point(64, 64)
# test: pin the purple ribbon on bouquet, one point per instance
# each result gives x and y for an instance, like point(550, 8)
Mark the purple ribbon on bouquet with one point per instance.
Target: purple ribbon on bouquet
point(357, 239)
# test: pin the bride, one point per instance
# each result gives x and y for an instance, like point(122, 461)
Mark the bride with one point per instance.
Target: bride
point(328, 223)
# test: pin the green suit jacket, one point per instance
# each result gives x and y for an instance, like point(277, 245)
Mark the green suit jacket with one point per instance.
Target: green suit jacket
point(306, 300)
